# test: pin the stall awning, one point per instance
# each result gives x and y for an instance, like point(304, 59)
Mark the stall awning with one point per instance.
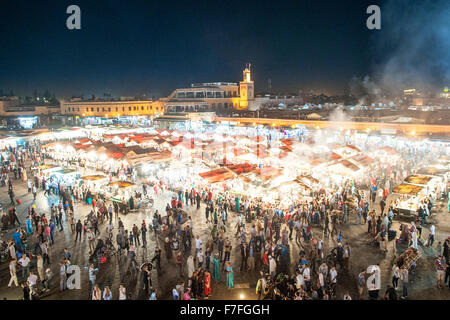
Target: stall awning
point(218, 175)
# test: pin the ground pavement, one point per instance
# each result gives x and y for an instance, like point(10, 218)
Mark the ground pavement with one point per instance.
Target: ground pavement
point(112, 274)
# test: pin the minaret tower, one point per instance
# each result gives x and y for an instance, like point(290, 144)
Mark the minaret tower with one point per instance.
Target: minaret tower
point(246, 88)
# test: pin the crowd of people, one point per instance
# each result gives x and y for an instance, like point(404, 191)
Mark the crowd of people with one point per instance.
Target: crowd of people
point(267, 234)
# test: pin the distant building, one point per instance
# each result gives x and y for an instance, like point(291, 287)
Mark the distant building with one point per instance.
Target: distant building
point(204, 97)
point(110, 109)
point(12, 113)
point(409, 92)
point(247, 89)
point(219, 97)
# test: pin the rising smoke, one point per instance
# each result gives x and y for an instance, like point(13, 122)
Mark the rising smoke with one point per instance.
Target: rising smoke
point(412, 49)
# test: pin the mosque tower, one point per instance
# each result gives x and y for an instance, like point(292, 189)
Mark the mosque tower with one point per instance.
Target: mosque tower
point(247, 89)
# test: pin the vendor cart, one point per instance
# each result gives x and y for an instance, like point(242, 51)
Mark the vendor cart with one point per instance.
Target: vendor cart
point(408, 258)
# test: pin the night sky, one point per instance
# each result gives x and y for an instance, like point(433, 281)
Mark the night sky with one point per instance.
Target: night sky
point(152, 47)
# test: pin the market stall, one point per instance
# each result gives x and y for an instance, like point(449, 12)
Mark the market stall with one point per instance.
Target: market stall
point(66, 177)
point(409, 200)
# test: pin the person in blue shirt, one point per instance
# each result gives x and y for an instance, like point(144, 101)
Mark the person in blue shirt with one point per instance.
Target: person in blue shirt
point(52, 231)
point(67, 254)
point(153, 295)
point(16, 236)
point(339, 237)
point(374, 192)
point(175, 294)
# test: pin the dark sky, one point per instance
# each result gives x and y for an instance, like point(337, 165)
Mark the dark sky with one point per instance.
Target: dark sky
point(152, 47)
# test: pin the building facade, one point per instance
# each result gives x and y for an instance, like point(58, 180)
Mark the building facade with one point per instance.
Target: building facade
point(17, 115)
point(204, 97)
point(219, 97)
point(111, 109)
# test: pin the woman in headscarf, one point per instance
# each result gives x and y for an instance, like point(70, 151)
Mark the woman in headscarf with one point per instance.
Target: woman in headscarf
point(238, 204)
point(29, 225)
point(207, 284)
point(187, 295)
point(190, 266)
point(230, 278)
point(216, 262)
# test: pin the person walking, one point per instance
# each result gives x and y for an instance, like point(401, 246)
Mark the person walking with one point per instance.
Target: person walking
point(179, 262)
point(395, 276)
point(404, 274)
point(13, 273)
point(40, 267)
point(91, 241)
point(92, 275)
point(431, 236)
point(230, 277)
point(207, 284)
point(361, 283)
point(333, 280)
point(144, 234)
point(440, 270)
point(216, 262)
point(200, 258)
point(62, 276)
point(78, 229)
point(24, 262)
point(136, 234)
point(34, 192)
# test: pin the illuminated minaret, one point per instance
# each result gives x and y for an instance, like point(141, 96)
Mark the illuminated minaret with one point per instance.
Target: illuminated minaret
point(246, 88)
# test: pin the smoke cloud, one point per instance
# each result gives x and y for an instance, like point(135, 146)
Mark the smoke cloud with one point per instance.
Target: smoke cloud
point(412, 49)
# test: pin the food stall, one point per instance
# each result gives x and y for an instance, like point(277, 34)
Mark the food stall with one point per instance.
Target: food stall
point(119, 189)
point(409, 200)
point(67, 177)
point(46, 170)
point(94, 183)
